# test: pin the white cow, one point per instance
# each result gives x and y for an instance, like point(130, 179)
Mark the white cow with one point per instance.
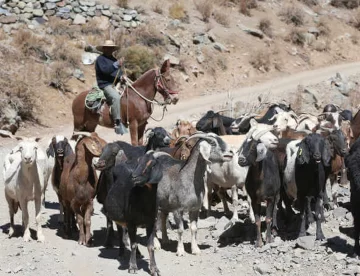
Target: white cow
point(26, 174)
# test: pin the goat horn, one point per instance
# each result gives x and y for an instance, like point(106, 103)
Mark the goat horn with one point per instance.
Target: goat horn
point(200, 135)
point(222, 110)
point(84, 133)
point(261, 133)
point(149, 129)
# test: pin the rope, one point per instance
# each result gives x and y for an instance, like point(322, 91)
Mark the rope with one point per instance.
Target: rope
point(94, 94)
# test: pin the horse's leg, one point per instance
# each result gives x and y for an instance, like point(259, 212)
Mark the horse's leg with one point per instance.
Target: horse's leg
point(134, 133)
point(141, 130)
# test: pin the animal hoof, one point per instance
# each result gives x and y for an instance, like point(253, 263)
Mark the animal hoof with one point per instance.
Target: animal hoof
point(165, 240)
point(180, 252)
point(40, 238)
point(195, 250)
point(133, 270)
point(11, 232)
point(320, 237)
point(157, 245)
point(259, 244)
point(155, 272)
point(27, 236)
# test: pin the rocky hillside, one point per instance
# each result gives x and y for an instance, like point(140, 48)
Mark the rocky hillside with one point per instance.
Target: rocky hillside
point(213, 45)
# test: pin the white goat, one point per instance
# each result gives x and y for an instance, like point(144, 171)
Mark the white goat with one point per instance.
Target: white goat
point(26, 175)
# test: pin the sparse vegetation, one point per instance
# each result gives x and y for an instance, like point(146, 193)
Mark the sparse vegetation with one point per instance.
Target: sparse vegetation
point(149, 36)
point(265, 27)
point(177, 11)
point(61, 27)
point(205, 7)
point(30, 44)
point(123, 3)
point(355, 21)
point(260, 60)
point(222, 18)
point(323, 27)
point(59, 75)
point(91, 28)
point(310, 3)
point(246, 5)
point(157, 8)
point(296, 37)
point(139, 59)
point(61, 52)
point(293, 15)
point(355, 39)
point(349, 4)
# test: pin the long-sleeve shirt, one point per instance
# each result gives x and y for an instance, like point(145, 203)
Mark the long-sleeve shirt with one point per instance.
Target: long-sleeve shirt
point(106, 69)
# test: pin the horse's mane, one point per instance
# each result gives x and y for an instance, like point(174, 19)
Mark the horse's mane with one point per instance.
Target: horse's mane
point(143, 76)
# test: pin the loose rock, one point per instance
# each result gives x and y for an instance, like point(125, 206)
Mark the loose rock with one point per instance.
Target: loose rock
point(307, 242)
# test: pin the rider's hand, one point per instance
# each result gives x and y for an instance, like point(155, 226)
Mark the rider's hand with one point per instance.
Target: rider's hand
point(120, 61)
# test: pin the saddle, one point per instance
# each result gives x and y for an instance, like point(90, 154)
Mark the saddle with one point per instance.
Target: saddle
point(95, 99)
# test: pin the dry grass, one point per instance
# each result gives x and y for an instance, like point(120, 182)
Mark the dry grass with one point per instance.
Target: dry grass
point(222, 18)
point(3, 35)
point(355, 39)
point(296, 37)
point(177, 11)
point(61, 27)
point(62, 52)
point(354, 97)
point(30, 44)
point(91, 28)
point(138, 59)
point(123, 3)
point(59, 75)
point(214, 62)
point(157, 7)
point(323, 26)
point(310, 3)
point(321, 45)
point(293, 15)
point(260, 60)
point(349, 4)
point(246, 5)
point(148, 35)
point(265, 26)
point(355, 20)
point(205, 7)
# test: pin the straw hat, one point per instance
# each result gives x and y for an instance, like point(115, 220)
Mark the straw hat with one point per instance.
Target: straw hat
point(109, 44)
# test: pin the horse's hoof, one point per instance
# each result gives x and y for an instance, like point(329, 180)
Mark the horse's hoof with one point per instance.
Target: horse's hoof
point(133, 270)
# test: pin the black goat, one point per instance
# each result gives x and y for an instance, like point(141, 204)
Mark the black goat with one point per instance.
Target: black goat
point(215, 123)
point(346, 115)
point(312, 168)
point(114, 153)
point(242, 124)
point(352, 162)
point(262, 184)
point(131, 206)
point(59, 148)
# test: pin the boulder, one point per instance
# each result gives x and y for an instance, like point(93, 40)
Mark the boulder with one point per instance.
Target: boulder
point(116, 17)
point(50, 6)
point(134, 24)
point(77, 10)
point(252, 31)
point(127, 17)
point(53, 1)
point(90, 13)
point(315, 31)
point(21, 5)
point(38, 12)
point(218, 46)
point(8, 19)
point(87, 3)
point(126, 24)
point(79, 20)
point(50, 12)
point(102, 22)
point(307, 242)
point(106, 13)
point(78, 74)
point(84, 8)
point(201, 39)
point(28, 10)
point(16, 10)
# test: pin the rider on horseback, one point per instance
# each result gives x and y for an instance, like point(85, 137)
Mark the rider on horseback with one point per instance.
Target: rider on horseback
point(108, 74)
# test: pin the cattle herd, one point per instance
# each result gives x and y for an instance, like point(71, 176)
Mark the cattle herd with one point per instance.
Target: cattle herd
point(281, 159)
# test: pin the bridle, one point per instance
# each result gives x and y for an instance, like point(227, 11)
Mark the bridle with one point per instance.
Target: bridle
point(160, 85)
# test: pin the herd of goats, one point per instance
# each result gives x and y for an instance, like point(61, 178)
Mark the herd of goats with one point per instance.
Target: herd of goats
point(281, 158)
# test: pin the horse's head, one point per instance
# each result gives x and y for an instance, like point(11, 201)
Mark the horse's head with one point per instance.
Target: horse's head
point(166, 85)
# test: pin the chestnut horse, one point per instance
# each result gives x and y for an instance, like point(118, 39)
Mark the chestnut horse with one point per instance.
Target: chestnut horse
point(135, 104)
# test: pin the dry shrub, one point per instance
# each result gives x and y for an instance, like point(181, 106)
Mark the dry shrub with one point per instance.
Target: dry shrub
point(323, 26)
point(355, 20)
point(148, 35)
point(222, 18)
point(177, 11)
point(354, 97)
point(349, 4)
point(138, 59)
point(91, 28)
point(310, 3)
point(205, 7)
point(355, 39)
point(246, 5)
point(61, 52)
point(293, 15)
point(213, 61)
point(157, 7)
point(321, 45)
point(30, 44)
point(59, 75)
point(260, 59)
point(123, 3)
point(265, 27)
point(61, 27)
point(3, 35)
point(296, 37)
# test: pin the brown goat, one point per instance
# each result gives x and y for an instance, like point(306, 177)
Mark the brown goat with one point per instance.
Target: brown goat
point(78, 185)
point(183, 128)
point(292, 134)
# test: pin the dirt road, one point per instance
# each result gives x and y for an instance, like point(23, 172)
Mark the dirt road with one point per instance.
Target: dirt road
point(64, 257)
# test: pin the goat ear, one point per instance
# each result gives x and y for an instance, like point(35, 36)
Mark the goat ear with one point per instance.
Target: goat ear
point(50, 151)
point(253, 122)
point(205, 150)
point(215, 122)
point(156, 173)
point(303, 155)
point(326, 153)
point(274, 117)
point(68, 149)
point(261, 151)
point(92, 146)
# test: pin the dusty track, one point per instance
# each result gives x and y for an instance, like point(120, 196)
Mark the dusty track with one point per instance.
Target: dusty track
point(64, 257)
